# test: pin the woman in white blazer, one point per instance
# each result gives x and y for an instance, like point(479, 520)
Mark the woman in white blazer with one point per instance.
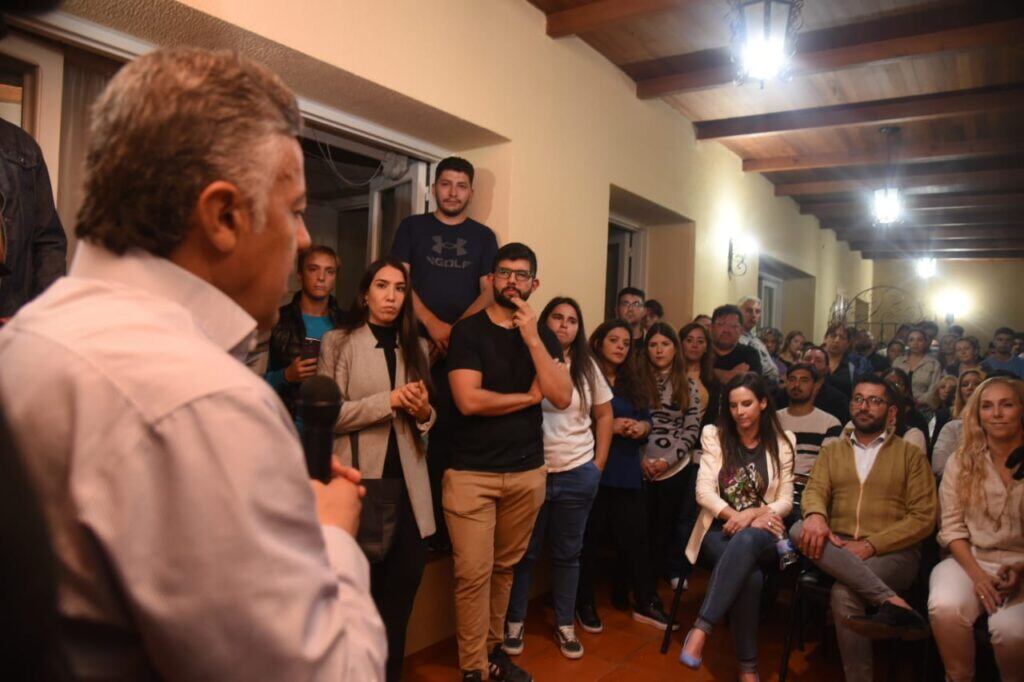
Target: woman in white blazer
point(380, 364)
point(745, 490)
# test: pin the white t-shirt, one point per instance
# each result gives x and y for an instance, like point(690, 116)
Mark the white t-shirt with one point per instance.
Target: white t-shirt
point(568, 439)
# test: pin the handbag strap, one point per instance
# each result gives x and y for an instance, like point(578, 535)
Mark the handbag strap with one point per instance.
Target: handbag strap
point(353, 439)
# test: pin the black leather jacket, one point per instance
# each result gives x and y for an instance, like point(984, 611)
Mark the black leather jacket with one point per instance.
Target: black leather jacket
point(35, 240)
point(286, 341)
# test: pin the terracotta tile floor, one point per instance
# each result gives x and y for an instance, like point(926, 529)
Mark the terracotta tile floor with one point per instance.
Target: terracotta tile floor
point(628, 650)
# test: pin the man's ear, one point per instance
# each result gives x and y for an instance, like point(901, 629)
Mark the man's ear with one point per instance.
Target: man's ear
point(221, 215)
point(536, 285)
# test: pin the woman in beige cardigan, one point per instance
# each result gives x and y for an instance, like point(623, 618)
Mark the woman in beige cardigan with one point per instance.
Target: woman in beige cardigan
point(380, 364)
point(745, 490)
point(982, 525)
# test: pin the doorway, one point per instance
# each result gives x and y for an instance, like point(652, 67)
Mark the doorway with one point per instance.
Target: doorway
point(624, 267)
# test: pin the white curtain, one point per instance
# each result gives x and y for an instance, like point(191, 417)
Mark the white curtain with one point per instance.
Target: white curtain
point(85, 76)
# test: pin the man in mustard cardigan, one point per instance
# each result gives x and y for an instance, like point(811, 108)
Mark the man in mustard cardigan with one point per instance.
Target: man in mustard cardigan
point(869, 502)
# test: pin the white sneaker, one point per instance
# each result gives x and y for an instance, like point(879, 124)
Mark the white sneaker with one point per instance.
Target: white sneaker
point(675, 583)
point(568, 643)
point(513, 644)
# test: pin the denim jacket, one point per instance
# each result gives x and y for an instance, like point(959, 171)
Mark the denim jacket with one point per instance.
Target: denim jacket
point(36, 246)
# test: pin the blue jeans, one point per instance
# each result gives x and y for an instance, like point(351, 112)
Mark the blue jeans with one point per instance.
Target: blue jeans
point(563, 518)
point(735, 586)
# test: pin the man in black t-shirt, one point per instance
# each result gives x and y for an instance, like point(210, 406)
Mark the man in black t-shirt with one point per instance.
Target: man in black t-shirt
point(449, 256)
point(501, 365)
point(731, 357)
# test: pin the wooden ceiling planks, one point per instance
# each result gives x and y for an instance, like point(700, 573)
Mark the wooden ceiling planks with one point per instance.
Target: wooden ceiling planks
point(950, 73)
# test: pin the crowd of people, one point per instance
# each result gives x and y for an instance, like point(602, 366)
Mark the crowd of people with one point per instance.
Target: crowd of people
point(706, 446)
point(631, 454)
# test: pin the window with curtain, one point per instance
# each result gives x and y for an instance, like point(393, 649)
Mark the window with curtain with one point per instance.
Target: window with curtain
point(85, 76)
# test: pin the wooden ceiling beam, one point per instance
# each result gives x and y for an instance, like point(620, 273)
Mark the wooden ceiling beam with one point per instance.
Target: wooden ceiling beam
point(965, 255)
point(939, 151)
point(939, 247)
point(918, 107)
point(595, 15)
point(927, 31)
point(942, 234)
point(921, 203)
point(844, 230)
point(933, 218)
point(985, 179)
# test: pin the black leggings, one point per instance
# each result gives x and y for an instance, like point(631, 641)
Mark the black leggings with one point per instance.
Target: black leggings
point(621, 513)
point(394, 582)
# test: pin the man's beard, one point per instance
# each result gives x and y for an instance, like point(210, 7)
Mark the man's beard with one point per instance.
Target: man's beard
point(450, 212)
point(506, 302)
point(874, 426)
point(795, 401)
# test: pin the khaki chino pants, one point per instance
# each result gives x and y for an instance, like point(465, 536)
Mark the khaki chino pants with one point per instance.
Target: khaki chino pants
point(490, 519)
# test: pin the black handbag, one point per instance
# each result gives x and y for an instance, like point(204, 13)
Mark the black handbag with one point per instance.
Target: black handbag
point(379, 517)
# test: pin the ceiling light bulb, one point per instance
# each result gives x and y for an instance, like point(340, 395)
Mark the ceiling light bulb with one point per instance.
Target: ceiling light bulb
point(887, 208)
point(763, 59)
point(926, 268)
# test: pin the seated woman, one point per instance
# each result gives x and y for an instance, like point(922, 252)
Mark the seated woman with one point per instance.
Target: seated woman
point(576, 442)
point(745, 490)
point(792, 348)
point(911, 425)
point(940, 401)
point(620, 509)
point(982, 524)
point(922, 369)
point(380, 364)
point(947, 436)
point(668, 462)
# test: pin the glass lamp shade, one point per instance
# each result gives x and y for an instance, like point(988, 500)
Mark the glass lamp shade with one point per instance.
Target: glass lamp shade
point(763, 52)
point(887, 207)
point(926, 268)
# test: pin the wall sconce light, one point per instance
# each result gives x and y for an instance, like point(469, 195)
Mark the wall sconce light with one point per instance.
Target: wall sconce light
point(741, 248)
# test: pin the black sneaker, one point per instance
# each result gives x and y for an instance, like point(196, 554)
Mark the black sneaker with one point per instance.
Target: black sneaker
point(890, 622)
point(513, 644)
point(472, 676)
point(587, 616)
point(502, 668)
point(568, 643)
point(654, 615)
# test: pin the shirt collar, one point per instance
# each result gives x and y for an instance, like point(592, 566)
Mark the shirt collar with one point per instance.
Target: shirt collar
point(849, 431)
point(216, 315)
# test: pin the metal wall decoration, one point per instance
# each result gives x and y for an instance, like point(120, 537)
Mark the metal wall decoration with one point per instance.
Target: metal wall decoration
point(888, 308)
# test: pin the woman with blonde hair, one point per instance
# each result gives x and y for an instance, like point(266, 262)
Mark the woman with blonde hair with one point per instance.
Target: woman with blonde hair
point(982, 525)
point(948, 438)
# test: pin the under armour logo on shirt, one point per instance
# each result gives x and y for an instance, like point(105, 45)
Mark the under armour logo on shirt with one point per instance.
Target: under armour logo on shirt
point(440, 246)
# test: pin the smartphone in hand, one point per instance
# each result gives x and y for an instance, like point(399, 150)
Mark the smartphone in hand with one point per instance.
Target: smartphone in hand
point(310, 348)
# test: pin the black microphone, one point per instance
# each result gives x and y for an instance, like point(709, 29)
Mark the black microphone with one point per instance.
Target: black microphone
point(318, 406)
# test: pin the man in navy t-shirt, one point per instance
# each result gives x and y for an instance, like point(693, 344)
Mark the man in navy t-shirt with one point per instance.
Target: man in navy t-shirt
point(449, 256)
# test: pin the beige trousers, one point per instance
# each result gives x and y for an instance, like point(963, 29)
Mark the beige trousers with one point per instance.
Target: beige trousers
point(490, 519)
point(953, 607)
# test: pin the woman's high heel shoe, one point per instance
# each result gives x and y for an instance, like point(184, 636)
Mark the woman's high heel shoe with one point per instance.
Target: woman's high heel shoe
point(685, 658)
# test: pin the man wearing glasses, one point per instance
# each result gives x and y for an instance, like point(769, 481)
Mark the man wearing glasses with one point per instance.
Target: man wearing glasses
point(869, 502)
point(501, 365)
point(629, 306)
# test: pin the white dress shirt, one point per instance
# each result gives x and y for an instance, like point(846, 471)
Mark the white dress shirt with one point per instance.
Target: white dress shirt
point(175, 487)
point(865, 455)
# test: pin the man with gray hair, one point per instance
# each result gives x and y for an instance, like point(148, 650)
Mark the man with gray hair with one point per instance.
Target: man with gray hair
point(751, 307)
point(192, 545)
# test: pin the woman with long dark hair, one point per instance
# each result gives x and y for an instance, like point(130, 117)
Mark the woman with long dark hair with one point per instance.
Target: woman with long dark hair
point(699, 362)
point(380, 364)
point(910, 424)
point(620, 508)
point(668, 462)
point(576, 442)
point(982, 525)
point(745, 490)
point(792, 347)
